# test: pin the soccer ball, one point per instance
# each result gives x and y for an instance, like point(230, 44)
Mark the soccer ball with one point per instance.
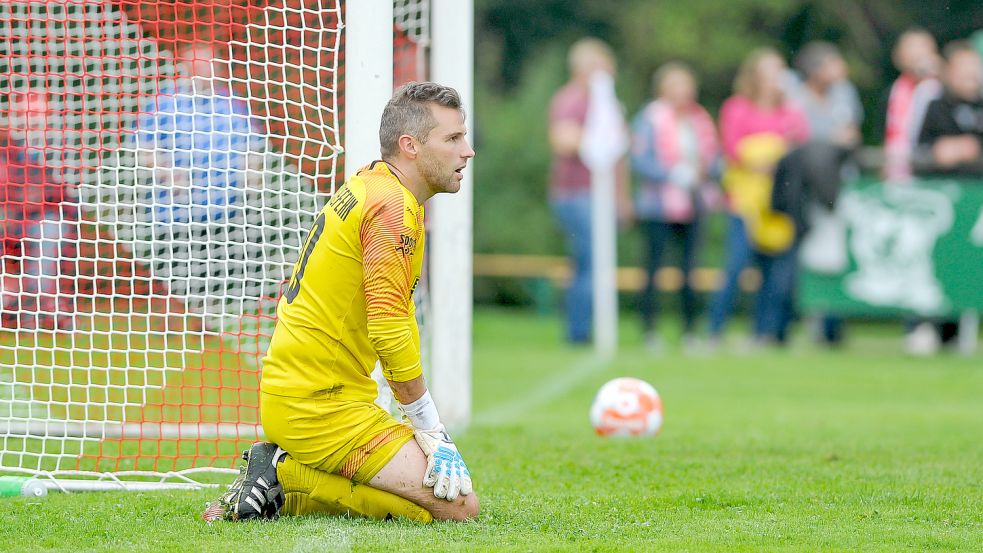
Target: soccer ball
point(626, 407)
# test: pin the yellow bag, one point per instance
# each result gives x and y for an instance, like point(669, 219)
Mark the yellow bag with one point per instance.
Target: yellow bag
point(769, 231)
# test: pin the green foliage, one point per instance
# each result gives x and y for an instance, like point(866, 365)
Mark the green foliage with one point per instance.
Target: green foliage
point(711, 37)
point(512, 163)
point(857, 450)
point(521, 46)
point(520, 60)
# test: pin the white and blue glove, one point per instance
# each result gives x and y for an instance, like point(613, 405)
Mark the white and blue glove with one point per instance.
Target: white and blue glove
point(446, 472)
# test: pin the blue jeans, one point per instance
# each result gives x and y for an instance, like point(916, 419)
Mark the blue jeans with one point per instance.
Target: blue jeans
point(776, 296)
point(773, 307)
point(573, 215)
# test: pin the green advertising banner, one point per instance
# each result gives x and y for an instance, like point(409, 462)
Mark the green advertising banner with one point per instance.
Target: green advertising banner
point(897, 249)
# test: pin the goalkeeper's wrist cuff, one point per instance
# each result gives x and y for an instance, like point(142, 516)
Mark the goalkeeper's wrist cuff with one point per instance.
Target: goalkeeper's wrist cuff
point(422, 413)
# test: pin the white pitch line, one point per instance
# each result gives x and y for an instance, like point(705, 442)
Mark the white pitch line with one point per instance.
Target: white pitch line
point(554, 387)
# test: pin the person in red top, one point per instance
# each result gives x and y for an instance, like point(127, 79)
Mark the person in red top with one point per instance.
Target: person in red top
point(758, 126)
point(37, 225)
point(916, 56)
point(570, 179)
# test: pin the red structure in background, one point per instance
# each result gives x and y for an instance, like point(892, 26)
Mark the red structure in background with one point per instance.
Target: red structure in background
point(280, 63)
point(287, 60)
point(283, 61)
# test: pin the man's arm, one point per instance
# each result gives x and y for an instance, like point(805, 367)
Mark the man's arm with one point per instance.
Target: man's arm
point(409, 391)
point(387, 273)
point(386, 279)
point(565, 137)
point(565, 126)
point(941, 143)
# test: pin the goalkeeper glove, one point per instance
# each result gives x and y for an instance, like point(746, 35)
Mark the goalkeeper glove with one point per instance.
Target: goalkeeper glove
point(446, 472)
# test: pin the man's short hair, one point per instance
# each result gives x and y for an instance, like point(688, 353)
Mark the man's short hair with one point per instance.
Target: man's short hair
point(913, 32)
point(813, 55)
point(408, 112)
point(957, 47)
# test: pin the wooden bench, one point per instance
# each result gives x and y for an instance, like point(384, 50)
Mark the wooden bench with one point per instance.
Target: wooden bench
point(556, 271)
point(545, 274)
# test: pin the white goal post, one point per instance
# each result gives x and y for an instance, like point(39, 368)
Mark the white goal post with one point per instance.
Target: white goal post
point(131, 338)
point(369, 80)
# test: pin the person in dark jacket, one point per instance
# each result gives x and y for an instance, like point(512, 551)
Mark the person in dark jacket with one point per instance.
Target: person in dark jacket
point(951, 139)
point(950, 144)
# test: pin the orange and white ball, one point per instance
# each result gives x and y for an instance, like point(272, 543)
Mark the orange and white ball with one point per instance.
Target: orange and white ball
point(627, 407)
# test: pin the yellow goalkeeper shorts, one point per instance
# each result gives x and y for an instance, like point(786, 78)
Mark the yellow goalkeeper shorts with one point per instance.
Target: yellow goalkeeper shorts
point(352, 438)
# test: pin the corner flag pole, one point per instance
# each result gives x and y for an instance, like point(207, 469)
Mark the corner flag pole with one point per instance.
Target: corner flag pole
point(601, 148)
point(604, 244)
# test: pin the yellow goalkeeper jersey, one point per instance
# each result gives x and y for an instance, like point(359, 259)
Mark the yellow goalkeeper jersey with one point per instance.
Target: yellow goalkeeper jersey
point(350, 299)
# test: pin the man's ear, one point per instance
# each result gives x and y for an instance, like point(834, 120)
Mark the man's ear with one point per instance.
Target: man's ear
point(408, 146)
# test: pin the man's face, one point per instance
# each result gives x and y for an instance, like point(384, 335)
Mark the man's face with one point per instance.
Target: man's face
point(442, 158)
point(832, 70)
point(916, 54)
point(963, 75)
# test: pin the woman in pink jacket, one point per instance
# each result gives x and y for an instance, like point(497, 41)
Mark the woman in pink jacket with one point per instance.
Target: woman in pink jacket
point(758, 126)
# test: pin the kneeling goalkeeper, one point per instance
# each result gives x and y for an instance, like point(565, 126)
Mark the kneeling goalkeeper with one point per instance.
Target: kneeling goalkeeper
point(348, 304)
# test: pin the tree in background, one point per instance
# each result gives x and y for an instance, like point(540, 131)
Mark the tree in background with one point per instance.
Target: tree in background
point(520, 48)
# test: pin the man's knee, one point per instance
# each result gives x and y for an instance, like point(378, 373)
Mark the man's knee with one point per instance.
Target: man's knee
point(461, 510)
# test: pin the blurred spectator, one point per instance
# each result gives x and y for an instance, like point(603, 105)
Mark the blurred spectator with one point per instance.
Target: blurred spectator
point(952, 133)
point(951, 143)
point(916, 57)
point(675, 153)
point(38, 226)
point(832, 107)
point(570, 179)
point(807, 184)
point(758, 126)
point(203, 152)
point(826, 96)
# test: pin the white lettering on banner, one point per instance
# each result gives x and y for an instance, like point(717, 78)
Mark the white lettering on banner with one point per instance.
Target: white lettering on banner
point(892, 240)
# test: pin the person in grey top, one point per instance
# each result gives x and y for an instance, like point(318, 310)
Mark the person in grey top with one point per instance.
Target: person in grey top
point(829, 100)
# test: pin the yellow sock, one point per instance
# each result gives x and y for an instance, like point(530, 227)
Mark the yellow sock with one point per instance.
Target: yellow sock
point(309, 490)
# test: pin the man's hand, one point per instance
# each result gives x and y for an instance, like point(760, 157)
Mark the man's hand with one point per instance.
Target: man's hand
point(950, 151)
point(446, 472)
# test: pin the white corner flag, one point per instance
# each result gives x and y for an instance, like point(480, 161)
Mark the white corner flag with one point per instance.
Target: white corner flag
point(604, 142)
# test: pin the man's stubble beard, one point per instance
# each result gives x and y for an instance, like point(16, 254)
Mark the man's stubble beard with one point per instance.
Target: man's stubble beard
point(433, 173)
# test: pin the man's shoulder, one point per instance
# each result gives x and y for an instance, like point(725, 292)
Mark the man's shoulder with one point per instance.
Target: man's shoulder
point(378, 187)
point(943, 107)
point(375, 175)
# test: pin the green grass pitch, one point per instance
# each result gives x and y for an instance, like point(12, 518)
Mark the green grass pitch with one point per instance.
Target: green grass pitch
point(800, 450)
